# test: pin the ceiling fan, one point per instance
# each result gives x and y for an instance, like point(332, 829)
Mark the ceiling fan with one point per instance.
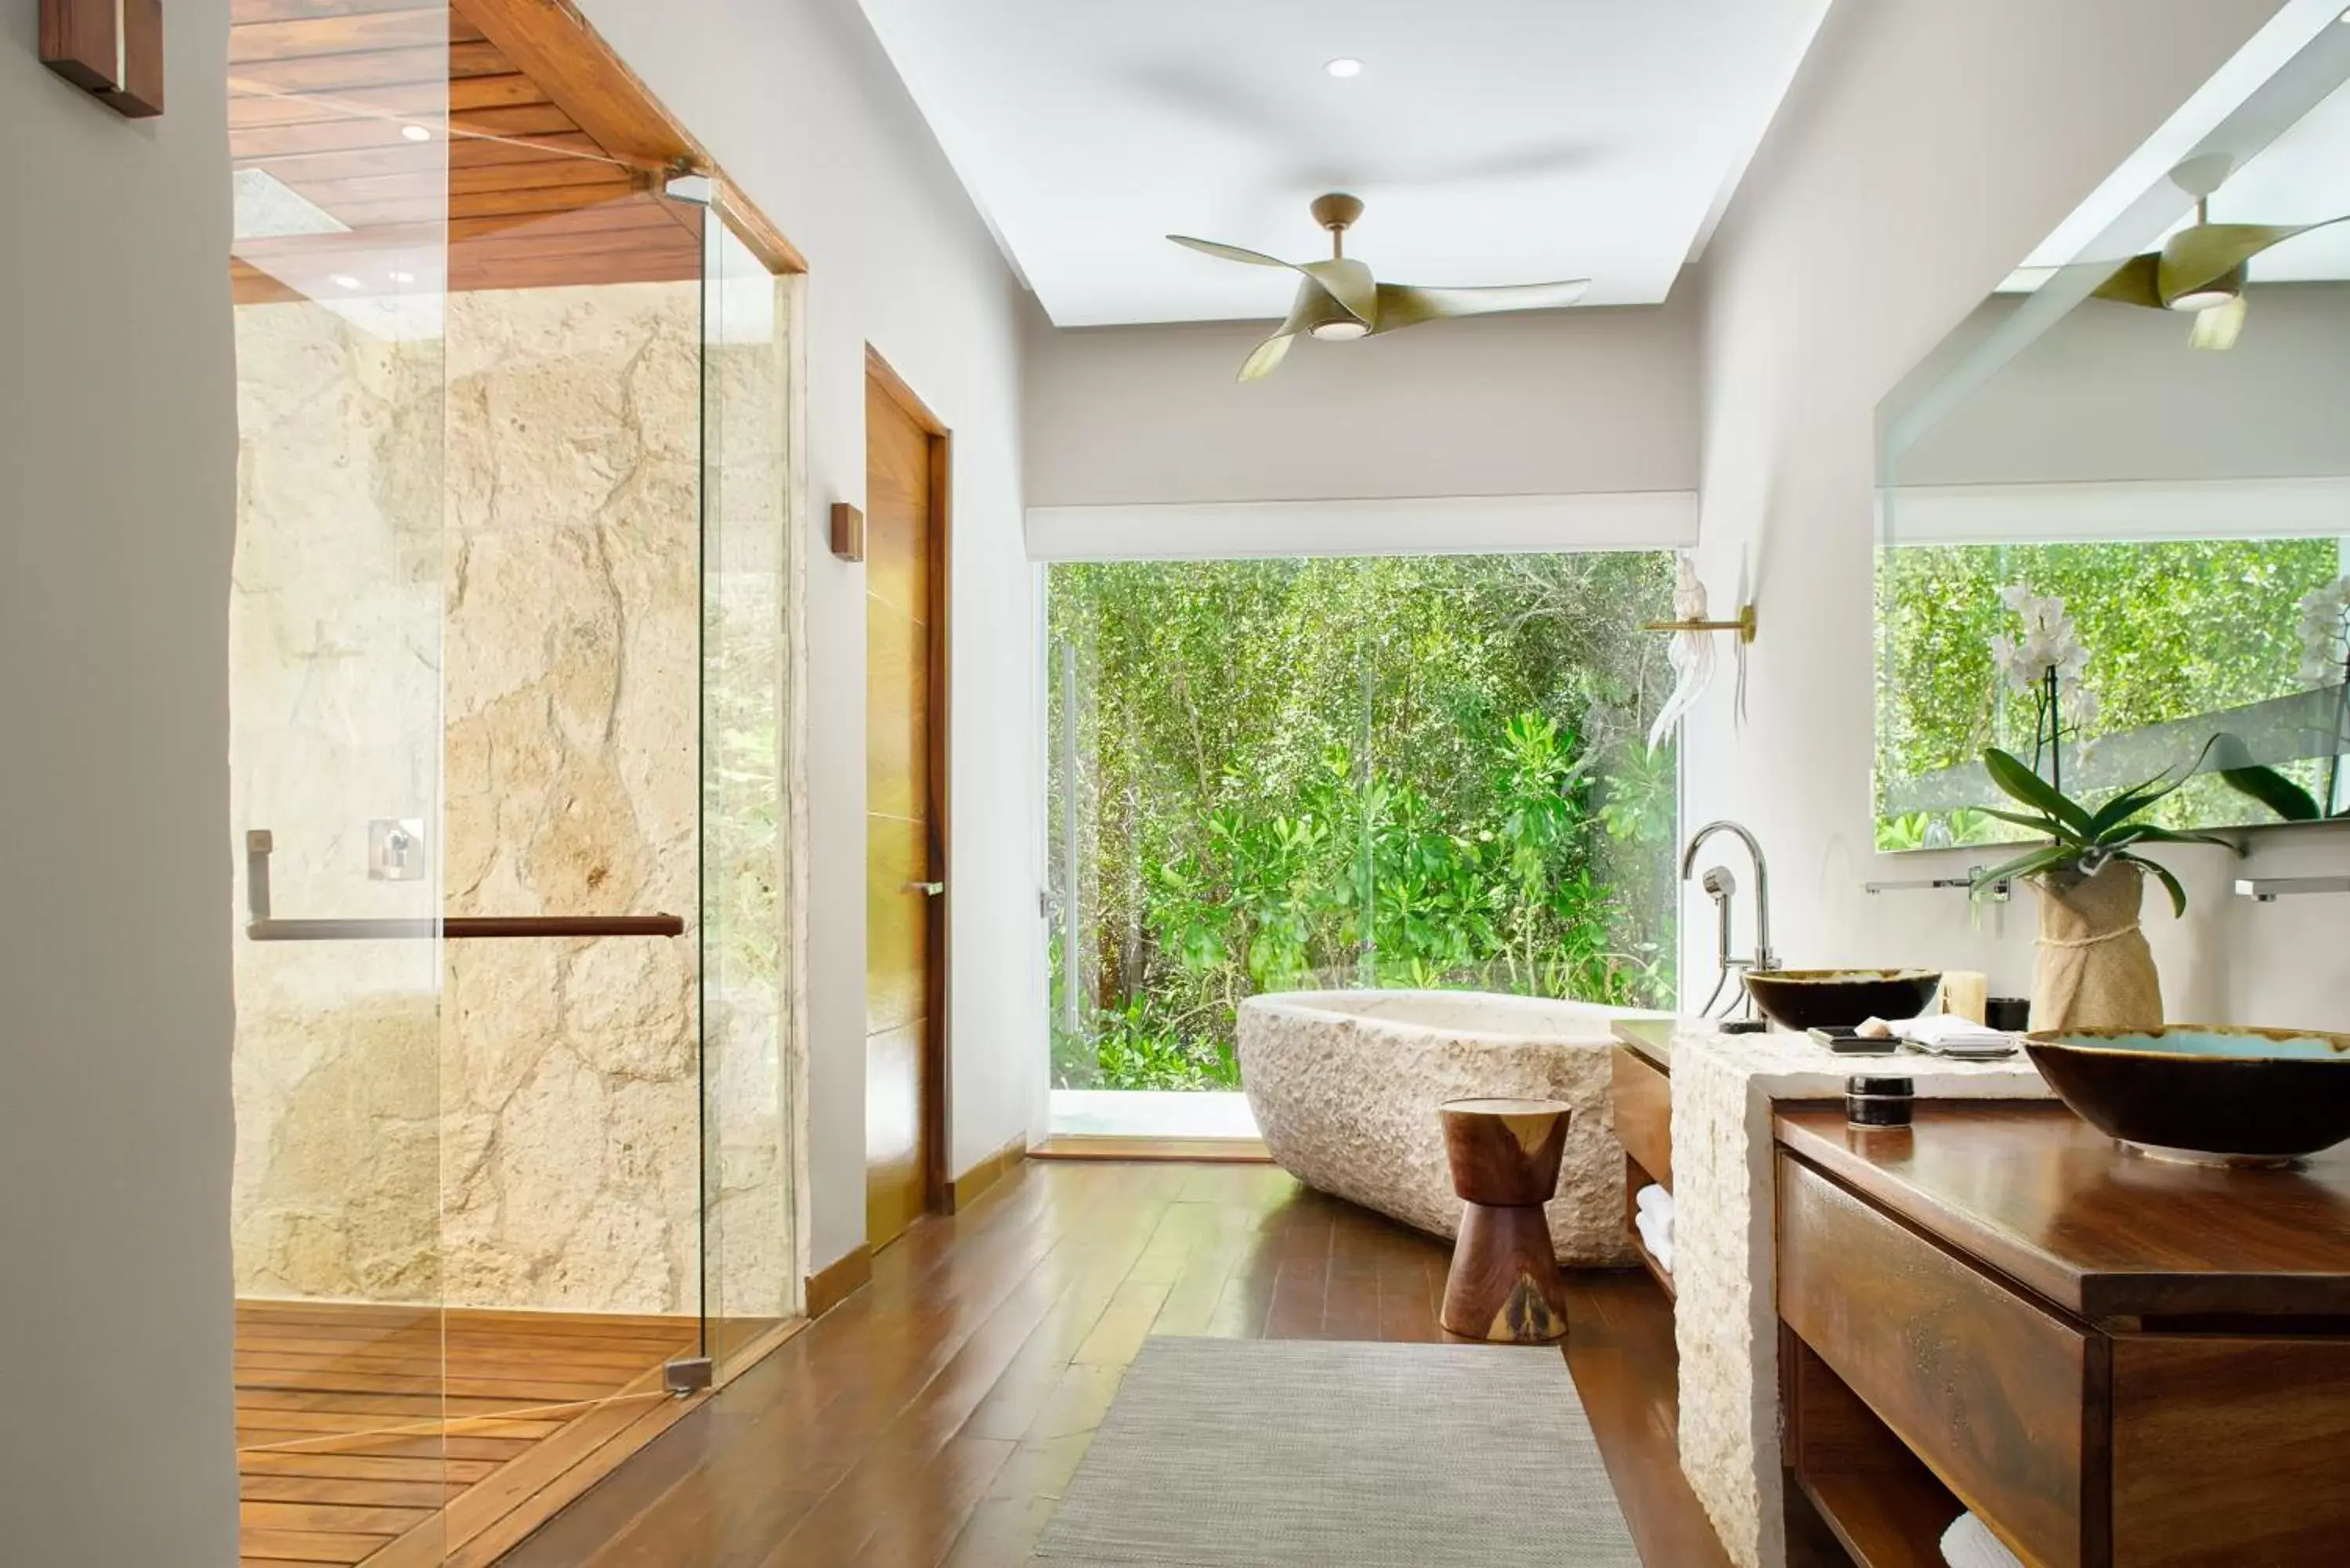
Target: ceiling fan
point(2201, 269)
point(1339, 300)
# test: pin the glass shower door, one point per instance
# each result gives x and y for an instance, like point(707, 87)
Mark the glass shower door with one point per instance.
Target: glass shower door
point(340, 191)
point(750, 1269)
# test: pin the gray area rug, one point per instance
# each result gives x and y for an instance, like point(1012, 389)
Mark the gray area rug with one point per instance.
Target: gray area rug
point(1235, 1453)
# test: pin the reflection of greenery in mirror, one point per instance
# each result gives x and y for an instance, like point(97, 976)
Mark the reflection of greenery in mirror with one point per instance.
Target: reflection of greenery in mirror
point(1401, 772)
point(2175, 629)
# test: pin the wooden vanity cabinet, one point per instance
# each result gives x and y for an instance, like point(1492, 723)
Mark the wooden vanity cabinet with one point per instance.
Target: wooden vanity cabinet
point(2115, 1363)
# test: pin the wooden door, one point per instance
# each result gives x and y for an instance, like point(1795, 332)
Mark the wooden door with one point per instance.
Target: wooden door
point(905, 797)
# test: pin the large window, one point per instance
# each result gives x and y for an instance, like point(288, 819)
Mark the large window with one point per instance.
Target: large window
point(1279, 774)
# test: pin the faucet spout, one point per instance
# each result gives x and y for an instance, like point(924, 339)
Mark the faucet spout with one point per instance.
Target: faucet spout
point(1765, 958)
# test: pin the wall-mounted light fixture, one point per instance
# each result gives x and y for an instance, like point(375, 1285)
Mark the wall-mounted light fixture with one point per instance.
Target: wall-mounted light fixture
point(112, 49)
point(848, 532)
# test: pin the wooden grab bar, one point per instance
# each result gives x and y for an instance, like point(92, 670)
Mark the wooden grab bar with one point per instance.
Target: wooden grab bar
point(263, 927)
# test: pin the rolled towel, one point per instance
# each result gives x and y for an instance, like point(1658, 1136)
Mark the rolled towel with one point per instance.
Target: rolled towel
point(1654, 1199)
point(1656, 1239)
point(1968, 1544)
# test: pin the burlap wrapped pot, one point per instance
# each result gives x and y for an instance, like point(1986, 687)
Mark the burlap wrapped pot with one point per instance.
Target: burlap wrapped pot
point(2094, 969)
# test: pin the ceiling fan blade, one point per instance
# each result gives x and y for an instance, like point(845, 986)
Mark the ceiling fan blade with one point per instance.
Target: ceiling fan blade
point(2195, 256)
point(1230, 253)
point(2217, 327)
point(2133, 283)
point(1351, 284)
point(1405, 304)
point(1267, 357)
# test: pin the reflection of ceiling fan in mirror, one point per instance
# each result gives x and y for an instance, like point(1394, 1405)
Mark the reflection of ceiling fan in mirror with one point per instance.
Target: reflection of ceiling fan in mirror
point(2201, 269)
point(1340, 300)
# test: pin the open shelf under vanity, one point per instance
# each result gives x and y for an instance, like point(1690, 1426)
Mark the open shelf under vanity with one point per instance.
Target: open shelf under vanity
point(1641, 1098)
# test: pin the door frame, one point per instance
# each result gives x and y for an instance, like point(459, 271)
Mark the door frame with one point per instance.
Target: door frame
point(938, 1076)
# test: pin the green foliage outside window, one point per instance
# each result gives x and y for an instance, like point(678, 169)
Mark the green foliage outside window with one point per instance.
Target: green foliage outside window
point(1422, 771)
point(2175, 628)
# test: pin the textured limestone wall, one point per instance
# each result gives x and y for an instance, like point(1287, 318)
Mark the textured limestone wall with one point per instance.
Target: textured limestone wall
point(333, 655)
point(571, 683)
point(502, 528)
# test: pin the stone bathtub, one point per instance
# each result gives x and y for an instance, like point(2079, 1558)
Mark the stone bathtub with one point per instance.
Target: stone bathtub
point(1345, 1087)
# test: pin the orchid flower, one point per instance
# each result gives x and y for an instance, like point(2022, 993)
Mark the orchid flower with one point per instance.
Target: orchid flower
point(2326, 633)
point(2048, 660)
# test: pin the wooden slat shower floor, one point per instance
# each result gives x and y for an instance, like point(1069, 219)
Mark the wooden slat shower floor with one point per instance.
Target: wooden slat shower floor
point(340, 1448)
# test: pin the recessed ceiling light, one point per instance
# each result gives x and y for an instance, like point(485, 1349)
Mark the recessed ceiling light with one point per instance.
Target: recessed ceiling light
point(416, 132)
point(1344, 66)
point(345, 280)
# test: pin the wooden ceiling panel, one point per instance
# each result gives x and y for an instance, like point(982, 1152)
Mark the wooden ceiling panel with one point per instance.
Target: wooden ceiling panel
point(253, 43)
point(538, 171)
point(304, 168)
point(250, 12)
point(428, 101)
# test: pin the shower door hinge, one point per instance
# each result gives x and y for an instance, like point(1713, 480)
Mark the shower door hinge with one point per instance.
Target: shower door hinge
point(689, 1375)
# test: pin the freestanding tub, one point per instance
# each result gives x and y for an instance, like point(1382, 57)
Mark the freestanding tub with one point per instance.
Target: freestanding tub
point(1344, 1086)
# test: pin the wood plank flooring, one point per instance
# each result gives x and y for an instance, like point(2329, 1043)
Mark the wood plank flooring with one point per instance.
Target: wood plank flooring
point(342, 1453)
point(934, 1419)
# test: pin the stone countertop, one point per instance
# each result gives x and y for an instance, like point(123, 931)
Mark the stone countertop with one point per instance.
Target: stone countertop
point(1724, 1278)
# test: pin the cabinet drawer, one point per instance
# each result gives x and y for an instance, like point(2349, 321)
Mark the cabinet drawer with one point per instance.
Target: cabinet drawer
point(2226, 1451)
point(1995, 1394)
point(1643, 1103)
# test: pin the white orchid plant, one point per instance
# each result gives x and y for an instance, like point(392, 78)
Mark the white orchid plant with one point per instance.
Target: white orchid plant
point(2048, 662)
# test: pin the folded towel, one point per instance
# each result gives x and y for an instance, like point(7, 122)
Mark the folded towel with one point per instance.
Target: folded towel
point(1654, 1199)
point(1940, 1032)
point(1656, 1239)
point(1968, 1544)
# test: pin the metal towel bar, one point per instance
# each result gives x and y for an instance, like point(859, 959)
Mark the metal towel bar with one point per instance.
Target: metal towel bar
point(261, 926)
point(1997, 892)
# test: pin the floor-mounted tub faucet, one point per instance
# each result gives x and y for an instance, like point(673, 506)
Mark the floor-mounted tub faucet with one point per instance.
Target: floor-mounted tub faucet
point(1721, 884)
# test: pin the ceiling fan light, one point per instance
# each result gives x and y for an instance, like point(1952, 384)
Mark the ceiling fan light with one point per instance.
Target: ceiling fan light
point(1345, 330)
point(2202, 299)
point(2228, 285)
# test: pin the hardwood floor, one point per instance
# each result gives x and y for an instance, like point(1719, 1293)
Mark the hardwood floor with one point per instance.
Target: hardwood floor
point(932, 1419)
point(341, 1454)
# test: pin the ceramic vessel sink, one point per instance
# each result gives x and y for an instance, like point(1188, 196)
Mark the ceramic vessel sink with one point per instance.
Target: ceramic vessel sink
point(1840, 998)
point(2203, 1093)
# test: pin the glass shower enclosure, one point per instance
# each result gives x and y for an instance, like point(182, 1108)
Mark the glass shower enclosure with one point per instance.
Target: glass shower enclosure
point(511, 688)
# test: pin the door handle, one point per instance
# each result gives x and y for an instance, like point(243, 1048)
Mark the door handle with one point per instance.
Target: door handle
point(929, 889)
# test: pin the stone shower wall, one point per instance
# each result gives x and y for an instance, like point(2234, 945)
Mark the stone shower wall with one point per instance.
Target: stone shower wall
point(528, 1136)
point(571, 682)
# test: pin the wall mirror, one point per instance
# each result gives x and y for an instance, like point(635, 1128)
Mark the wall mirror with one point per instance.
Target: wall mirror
point(2132, 462)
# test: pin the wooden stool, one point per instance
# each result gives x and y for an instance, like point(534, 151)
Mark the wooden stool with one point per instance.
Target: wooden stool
point(1505, 1285)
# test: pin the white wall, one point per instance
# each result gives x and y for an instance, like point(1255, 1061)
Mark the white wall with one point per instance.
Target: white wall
point(798, 103)
point(2112, 392)
point(1924, 149)
point(1559, 403)
point(118, 452)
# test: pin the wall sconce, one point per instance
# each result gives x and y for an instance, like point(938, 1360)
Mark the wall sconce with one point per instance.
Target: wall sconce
point(848, 532)
point(1743, 626)
point(1692, 653)
point(112, 49)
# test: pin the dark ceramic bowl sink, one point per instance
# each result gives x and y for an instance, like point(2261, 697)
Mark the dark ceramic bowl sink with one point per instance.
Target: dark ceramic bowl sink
point(1840, 998)
point(2204, 1092)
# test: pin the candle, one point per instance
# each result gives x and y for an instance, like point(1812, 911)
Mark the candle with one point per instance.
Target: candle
point(1964, 993)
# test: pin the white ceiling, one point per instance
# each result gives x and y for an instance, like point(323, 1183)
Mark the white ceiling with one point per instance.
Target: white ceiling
point(1494, 141)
